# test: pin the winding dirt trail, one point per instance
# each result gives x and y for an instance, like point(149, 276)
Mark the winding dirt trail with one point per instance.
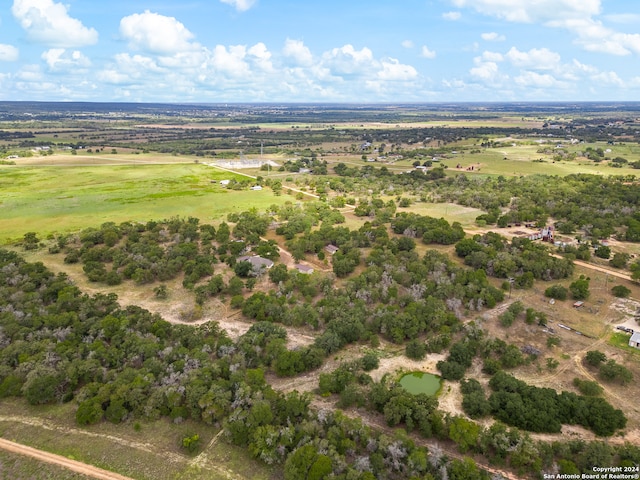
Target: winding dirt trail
point(598, 268)
point(61, 461)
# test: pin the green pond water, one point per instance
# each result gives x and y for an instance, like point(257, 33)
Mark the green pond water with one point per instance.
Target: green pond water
point(420, 382)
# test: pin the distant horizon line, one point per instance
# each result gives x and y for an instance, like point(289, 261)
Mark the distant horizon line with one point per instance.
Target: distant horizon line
point(444, 102)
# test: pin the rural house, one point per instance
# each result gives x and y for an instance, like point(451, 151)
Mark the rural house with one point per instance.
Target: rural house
point(304, 269)
point(258, 264)
point(331, 249)
point(634, 341)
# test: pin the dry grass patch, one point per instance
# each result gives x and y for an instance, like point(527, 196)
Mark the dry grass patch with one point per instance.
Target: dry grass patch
point(14, 466)
point(151, 451)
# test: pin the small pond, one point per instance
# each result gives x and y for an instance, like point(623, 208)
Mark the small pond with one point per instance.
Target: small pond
point(420, 382)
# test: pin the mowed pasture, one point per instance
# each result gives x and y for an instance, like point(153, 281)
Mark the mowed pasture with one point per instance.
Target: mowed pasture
point(512, 160)
point(83, 158)
point(451, 212)
point(64, 199)
point(524, 160)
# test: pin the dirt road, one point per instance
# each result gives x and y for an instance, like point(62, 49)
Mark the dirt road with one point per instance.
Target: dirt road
point(597, 268)
point(61, 461)
point(608, 271)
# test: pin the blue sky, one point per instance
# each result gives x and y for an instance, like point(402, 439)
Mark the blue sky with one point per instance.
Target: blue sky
point(320, 51)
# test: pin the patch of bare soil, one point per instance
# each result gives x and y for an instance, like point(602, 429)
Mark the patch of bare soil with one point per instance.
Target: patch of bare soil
point(231, 321)
point(630, 309)
point(450, 397)
point(179, 307)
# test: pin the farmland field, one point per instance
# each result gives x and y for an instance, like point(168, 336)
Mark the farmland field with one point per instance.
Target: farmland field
point(65, 199)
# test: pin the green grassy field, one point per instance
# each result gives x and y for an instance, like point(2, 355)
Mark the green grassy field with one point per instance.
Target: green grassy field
point(518, 160)
point(621, 341)
point(68, 198)
point(451, 212)
point(84, 159)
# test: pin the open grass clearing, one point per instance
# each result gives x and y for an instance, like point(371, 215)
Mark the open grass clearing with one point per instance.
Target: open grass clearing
point(630, 151)
point(83, 158)
point(621, 340)
point(514, 162)
point(449, 211)
point(524, 159)
point(15, 466)
point(51, 200)
point(151, 452)
point(175, 309)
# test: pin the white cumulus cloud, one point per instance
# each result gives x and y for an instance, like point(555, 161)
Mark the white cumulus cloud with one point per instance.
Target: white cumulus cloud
point(529, 11)
point(609, 79)
point(393, 70)
point(48, 22)
point(427, 52)
point(30, 73)
point(132, 70)
point(231, 61)
point(59, 59)
point(634, 82)
point(451, 15)
point(624, 18)
point(593, 36)
point(261, 56)
point(575, 16)
point(240, 5)
point(8, 53)
point(536, 80)
point(490, 57)
point(485, 71)
point(528, 79)
point(298, 52)
point(113, 76)
point(536, 58)
point(582, 67)
point(492, 37)
point(346, 60)
point(156, 33)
